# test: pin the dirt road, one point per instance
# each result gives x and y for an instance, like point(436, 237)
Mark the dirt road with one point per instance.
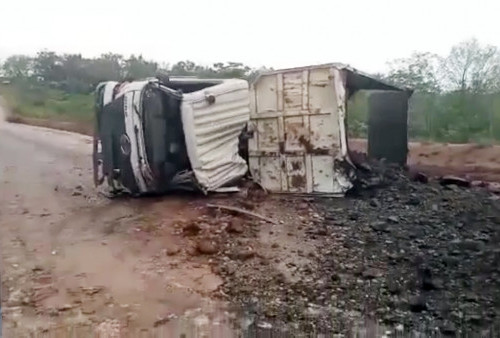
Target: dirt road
point(399, 255)
point(73, 260)
point(468, 160)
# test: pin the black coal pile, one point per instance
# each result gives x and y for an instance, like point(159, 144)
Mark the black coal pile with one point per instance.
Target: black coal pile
point(401, 253)
point(421, 255)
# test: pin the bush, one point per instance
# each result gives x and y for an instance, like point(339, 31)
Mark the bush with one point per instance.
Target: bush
point(31, 99)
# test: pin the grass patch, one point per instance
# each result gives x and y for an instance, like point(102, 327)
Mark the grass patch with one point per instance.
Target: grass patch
point(33, 100)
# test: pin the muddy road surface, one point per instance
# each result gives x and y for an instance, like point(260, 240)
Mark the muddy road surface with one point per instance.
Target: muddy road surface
point(395, 257)
point(75, 262)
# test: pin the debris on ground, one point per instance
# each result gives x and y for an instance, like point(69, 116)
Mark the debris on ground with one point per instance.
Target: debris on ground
point(402, 251)
point(399, 251)
point(241, 211)
point(207, 246)
point(458, 181)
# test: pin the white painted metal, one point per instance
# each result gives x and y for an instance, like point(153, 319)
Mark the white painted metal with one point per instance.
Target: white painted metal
point(212, 132)
point(299, 130)
point(138, 157)
point(109, 88)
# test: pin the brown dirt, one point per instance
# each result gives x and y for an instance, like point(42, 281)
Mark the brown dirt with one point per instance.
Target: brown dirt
point(472, 161)
point(85, 128)
point(83, 264)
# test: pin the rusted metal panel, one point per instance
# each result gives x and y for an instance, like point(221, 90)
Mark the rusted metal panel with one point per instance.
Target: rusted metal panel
point(292, 91)
point(322, 179)
point(298, 119)
point(296, 173)
point(268, 100)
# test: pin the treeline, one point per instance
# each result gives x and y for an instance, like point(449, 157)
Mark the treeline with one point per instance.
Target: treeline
point(456, 96)
point(75, 74)
point(59, 87)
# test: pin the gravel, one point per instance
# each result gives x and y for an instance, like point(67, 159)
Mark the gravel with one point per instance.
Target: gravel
point(398, 252)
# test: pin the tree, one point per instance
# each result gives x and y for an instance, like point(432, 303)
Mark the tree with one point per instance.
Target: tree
point(231, 70)
point(48, 66)
point(471, 66)
point(74, 69)
point(73, 66)
point(138, 68)
point(108, 67)
point(222, 70)
point(418, 72)
point(186, 68)
point(18, 66)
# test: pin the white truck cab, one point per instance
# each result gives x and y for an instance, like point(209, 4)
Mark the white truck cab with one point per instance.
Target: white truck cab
point(156, 135)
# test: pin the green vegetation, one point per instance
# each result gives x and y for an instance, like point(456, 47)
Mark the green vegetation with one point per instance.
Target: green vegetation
point(444, 117)
point(59, 87)
point(456, 97)
point(33, 100)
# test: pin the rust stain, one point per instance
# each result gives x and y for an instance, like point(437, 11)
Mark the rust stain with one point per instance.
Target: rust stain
point(296, 165)
point(310, 149)
point(281, 145)
point(268, 153)
point(318, 151)
point(298, 181)
point(306, 143)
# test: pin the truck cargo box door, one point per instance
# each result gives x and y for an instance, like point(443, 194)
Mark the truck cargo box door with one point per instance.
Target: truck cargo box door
point(297, 135)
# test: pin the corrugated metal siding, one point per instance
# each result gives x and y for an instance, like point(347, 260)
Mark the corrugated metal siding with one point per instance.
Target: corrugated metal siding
point(298, 118)
point(212, 132)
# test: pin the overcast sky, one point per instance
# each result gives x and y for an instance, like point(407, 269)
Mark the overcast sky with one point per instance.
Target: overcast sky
point(362, 33)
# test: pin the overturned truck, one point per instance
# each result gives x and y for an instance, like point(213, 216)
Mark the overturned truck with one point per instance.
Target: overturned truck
point(157, 135)
point(287, 131)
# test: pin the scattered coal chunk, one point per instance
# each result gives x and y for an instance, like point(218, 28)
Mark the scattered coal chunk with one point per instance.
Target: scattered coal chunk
point(454, 180)
point(419, 177)
point(380, 226)
point(417, 303)
point(390, 221)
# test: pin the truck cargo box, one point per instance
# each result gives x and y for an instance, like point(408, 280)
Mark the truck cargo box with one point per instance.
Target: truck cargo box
point(299, 120)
